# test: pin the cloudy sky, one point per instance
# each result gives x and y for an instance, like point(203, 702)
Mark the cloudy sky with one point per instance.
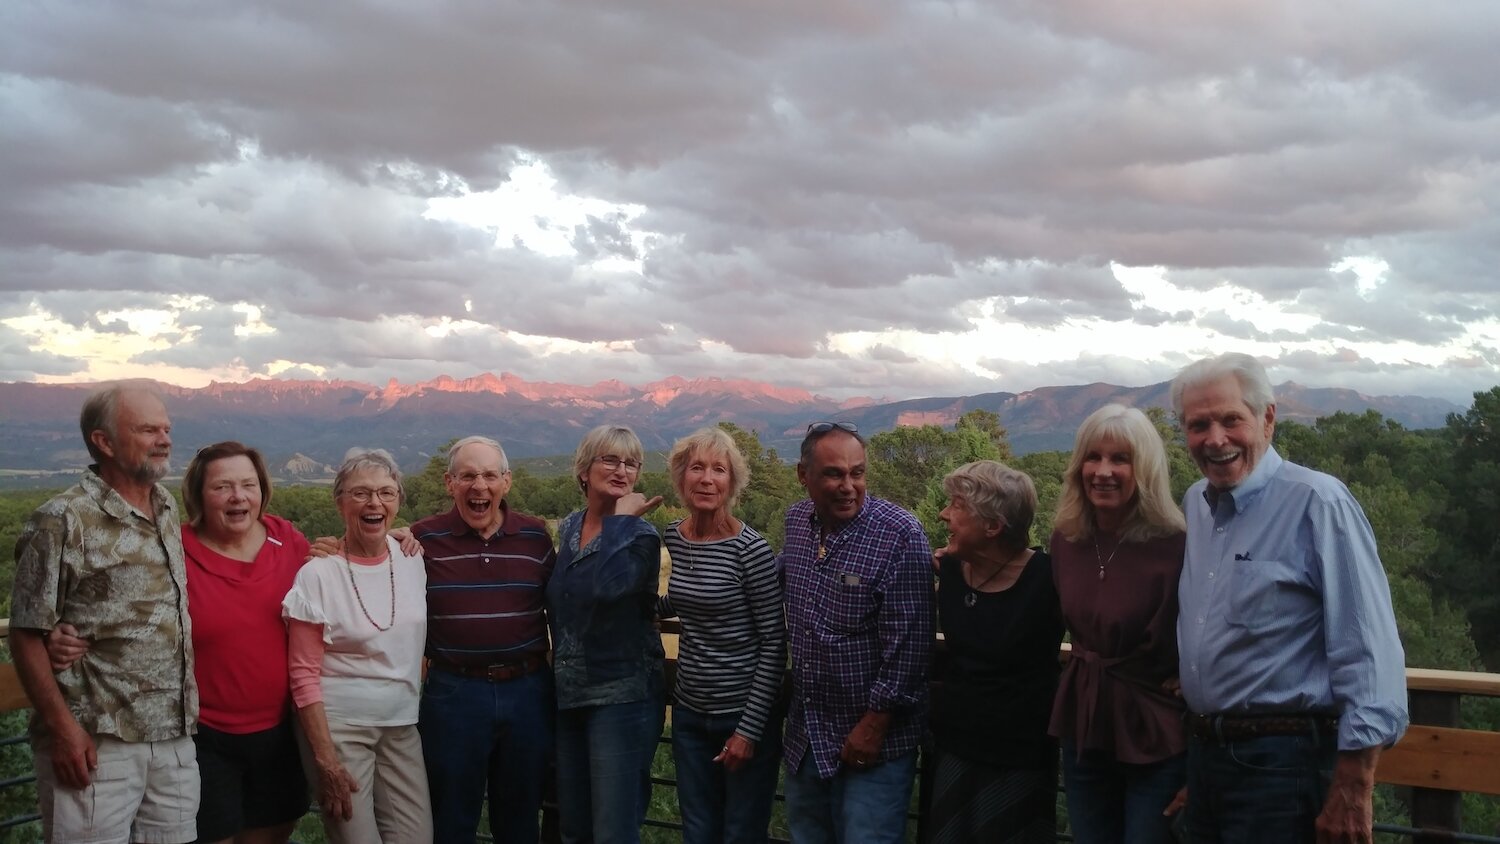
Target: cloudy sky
point(855, 196)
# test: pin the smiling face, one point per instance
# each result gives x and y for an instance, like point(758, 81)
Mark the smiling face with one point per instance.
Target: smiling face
point(834, 478)
point(231, 498)
point(1224, 436)
point(967, 532)
point(478, 485)
point(366, 522)
point(611, 477)
point(138, 444)
point(707, 482)
point(1108, 476)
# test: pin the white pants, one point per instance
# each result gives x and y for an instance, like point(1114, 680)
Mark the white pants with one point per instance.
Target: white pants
point(392, 805)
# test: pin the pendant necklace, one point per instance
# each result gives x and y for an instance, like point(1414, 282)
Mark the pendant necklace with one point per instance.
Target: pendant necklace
point(972, 597)
point(1104, 561)
point(361, 600)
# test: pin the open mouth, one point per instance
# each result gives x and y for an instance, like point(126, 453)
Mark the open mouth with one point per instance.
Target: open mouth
point(478, 506)
point(1222, 459)
point(373, 519)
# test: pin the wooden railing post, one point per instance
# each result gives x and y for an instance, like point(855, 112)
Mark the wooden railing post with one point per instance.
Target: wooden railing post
point(1433, 808)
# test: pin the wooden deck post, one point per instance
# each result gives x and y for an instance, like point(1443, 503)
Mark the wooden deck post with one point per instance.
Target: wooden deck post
point(1433, 808)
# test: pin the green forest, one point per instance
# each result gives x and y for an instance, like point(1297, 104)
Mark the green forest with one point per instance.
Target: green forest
point(1430, 495)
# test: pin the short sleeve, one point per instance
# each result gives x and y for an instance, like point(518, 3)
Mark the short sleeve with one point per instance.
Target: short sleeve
point(35, 598)
point(305, 601)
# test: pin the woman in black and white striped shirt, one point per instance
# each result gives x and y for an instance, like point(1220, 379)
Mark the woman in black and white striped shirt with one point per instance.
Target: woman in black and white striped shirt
point(725, 738)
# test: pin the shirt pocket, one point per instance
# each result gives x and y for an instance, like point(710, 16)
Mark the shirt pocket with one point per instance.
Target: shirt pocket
point(1256, 588)
point(851, 607)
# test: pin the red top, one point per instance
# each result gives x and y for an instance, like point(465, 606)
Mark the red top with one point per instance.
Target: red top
point(239, 639)
point(1124, 633)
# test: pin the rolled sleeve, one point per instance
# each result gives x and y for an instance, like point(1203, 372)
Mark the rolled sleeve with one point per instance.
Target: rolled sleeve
point(1366, 662)
point(907, 626)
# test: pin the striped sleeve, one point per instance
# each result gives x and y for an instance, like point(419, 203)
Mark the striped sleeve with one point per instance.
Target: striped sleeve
point(763, 592)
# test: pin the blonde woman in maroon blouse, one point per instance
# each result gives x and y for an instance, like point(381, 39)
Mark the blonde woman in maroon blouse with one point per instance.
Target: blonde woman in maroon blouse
point(1117, 554)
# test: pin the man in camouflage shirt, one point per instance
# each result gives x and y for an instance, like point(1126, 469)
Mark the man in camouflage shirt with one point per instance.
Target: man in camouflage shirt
point(112, 733)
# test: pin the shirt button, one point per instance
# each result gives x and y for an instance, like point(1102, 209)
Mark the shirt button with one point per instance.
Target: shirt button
point(1195, 668)
point(1210, 575)
point(1218, 530)
point(1200, 619)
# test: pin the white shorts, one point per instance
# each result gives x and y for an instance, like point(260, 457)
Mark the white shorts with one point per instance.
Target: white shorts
point(144, 792)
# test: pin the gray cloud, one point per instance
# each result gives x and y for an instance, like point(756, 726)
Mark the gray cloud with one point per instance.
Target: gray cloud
point(805, 170)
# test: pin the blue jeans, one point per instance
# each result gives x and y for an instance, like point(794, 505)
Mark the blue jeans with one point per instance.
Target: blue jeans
point(476, 732)
point(604, 758)
point(854, 807)
point(1264, 789)
point(719, 806)
point(1110, 801)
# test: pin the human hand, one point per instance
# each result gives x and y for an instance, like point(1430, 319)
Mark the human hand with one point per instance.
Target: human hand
point(861, 748)
point(65, 646)
point(336, 787)
point(74, 757)
point(409, 544)
point(1348, 815)
point(1179, 802)
point(737, 751)
point(636, 504)
point(325, 546)
point(937, 558)
point(1172, 686)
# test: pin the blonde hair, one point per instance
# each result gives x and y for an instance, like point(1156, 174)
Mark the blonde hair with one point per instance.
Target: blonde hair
point(1154, 512)
point(709, 442)
point(605, 439)
point(995, 492)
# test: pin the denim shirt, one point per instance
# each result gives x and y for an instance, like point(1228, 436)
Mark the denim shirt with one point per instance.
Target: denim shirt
point(601, 601)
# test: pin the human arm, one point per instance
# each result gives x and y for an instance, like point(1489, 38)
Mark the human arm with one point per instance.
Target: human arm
point(335, 784)
point(906, 625)
point(1348, 815)
point(1366, 662)
point(74, 757)
point(762, 591)
point(65, 646)
point(329, 546)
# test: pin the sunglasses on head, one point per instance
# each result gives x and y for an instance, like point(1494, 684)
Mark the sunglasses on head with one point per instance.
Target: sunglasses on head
point(825, 427)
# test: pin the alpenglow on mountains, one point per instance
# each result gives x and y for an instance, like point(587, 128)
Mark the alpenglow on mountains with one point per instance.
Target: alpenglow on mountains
point(303, 425)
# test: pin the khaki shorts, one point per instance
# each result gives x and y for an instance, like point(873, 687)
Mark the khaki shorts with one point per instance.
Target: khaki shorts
point(143, 792)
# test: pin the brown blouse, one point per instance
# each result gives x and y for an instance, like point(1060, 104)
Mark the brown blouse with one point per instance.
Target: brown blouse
point(1124, 633)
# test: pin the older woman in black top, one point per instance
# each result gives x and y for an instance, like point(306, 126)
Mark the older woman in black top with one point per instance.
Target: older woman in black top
point(996, 775)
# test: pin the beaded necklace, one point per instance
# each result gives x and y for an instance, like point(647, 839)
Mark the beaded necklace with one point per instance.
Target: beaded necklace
point(362, 608)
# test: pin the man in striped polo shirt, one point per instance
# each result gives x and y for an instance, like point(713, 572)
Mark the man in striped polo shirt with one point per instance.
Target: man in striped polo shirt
point(487, 706)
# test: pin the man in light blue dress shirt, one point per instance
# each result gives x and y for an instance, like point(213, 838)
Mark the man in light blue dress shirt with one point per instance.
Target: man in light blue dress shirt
point(1291, 665)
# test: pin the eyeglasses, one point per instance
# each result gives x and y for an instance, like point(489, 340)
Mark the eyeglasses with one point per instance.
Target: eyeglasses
point(611, 462)
point(363, 495)
point(491, 478)
point(825, 427)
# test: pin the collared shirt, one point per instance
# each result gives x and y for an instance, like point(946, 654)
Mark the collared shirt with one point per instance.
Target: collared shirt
point(90, 558)
point(485, 596)
point(1285, 606)
point(860, 622)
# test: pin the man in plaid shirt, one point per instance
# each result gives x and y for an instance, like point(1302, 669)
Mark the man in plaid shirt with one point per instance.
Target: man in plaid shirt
point(861, 620)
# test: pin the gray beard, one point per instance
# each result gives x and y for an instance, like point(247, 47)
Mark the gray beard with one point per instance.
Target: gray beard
point(149, 471)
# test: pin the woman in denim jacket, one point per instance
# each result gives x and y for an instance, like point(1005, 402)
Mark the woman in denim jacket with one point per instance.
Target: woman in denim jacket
point(607, 655)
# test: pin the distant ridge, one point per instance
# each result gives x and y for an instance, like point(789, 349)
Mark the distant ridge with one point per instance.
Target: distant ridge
point(304, 425)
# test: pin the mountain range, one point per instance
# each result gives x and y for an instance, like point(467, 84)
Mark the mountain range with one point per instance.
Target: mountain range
point(305, 426)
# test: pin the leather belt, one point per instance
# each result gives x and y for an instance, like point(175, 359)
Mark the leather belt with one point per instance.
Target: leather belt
point(498, 673)
point(1222, 729)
